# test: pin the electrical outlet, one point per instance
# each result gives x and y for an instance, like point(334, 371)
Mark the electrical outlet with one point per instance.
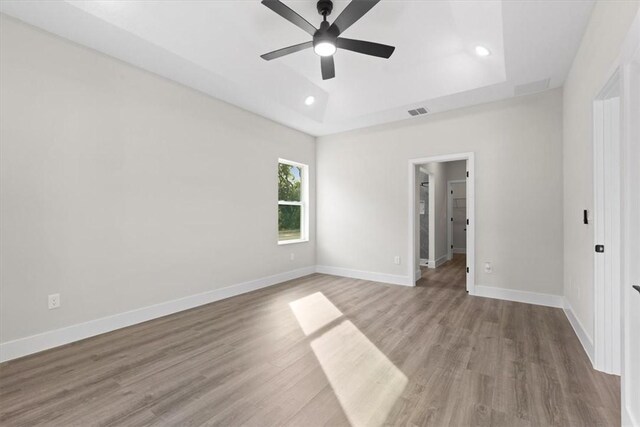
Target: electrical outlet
point(292, 256)
point(396, 260)
point(488, 268)
point(54, 301)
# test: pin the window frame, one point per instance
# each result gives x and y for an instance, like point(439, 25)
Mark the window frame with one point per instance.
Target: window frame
point(303, 203)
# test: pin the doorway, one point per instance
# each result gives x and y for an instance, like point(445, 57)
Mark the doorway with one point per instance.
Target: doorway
point(434, 205)
point(442, 214)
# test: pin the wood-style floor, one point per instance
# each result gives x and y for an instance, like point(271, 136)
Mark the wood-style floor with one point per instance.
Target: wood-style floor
point(323, 350)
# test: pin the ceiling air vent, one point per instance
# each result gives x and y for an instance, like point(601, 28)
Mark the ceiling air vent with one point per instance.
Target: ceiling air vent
point(418, 111)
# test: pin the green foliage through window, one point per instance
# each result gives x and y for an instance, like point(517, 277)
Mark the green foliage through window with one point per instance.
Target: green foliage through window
point(289, 182)
point(289, 202)
point(289, 222)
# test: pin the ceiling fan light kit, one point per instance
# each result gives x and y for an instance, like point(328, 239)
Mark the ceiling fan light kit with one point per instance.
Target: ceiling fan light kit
point(326, 39)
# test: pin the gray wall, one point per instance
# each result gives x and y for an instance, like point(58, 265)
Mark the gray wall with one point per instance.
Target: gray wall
point(121, 189)
point(363, 215)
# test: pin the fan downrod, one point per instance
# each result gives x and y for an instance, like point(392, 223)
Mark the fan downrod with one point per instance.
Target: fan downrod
point(325, 7)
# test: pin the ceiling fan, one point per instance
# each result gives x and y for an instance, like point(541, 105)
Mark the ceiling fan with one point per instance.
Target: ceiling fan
point(326, 39)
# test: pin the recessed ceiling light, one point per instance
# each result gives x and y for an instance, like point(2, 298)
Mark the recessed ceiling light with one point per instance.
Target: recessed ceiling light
point(309, 100)
point(482, 51)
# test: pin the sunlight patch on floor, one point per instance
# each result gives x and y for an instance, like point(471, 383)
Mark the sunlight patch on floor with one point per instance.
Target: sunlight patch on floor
point(314, 312)
point(363, 379)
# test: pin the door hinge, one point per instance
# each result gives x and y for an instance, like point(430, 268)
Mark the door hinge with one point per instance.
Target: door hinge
point(467, 269)
point(467, 222)
point(451, 246)
point(599, 248)
point(467, 174)
point(451, 191)
point(451, 219)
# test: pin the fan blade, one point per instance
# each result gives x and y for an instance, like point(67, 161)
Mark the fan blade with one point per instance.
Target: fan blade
point(368, 48)
point(286, 51)
point(287, 13)
point(354, 11)
point(328, 67)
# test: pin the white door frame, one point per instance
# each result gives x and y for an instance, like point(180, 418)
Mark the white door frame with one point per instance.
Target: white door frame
point(412, 209)
point(627, 62)
point(450, 215)
point(606, 219)
point(629, 66)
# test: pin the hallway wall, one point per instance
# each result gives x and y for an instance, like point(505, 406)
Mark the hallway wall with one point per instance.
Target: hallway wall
point(424, 217)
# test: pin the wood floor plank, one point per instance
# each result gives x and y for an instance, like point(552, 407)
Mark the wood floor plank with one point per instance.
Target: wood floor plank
point(390, 355)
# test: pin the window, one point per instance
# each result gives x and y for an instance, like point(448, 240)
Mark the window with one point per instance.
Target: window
point(292, 202)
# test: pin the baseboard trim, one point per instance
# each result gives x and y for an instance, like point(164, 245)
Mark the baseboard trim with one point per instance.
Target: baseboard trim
point(438, 262)
point(365, 275)
point(57, 337)
point(459, 250)
point(628, 420)
point(547, 300)
point(418, 275)
point(581, 333)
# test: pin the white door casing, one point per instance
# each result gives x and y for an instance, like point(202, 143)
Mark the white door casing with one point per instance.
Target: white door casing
point(413, 209)
point(630, 154)
point(622, 81)
point(607, 215)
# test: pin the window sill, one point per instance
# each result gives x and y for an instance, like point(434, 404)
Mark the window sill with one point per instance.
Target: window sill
point(290, 242)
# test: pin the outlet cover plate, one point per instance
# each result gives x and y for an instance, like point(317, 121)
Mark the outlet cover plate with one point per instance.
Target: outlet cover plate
point(54, 301)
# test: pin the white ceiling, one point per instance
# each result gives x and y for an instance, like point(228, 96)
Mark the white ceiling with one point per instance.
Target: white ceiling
point(214, 46)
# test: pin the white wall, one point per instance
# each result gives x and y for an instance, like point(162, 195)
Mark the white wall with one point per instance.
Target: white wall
point(362, 190)
point(599, 48)
point(121, 189)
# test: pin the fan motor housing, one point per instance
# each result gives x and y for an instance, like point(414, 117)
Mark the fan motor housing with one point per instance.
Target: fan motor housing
point(324, 34)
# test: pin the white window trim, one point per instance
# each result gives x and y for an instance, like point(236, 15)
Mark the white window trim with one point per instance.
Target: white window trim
point(303, 203)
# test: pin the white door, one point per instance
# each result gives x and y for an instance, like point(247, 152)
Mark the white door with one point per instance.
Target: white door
point(631, 243)
point(607, 233)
